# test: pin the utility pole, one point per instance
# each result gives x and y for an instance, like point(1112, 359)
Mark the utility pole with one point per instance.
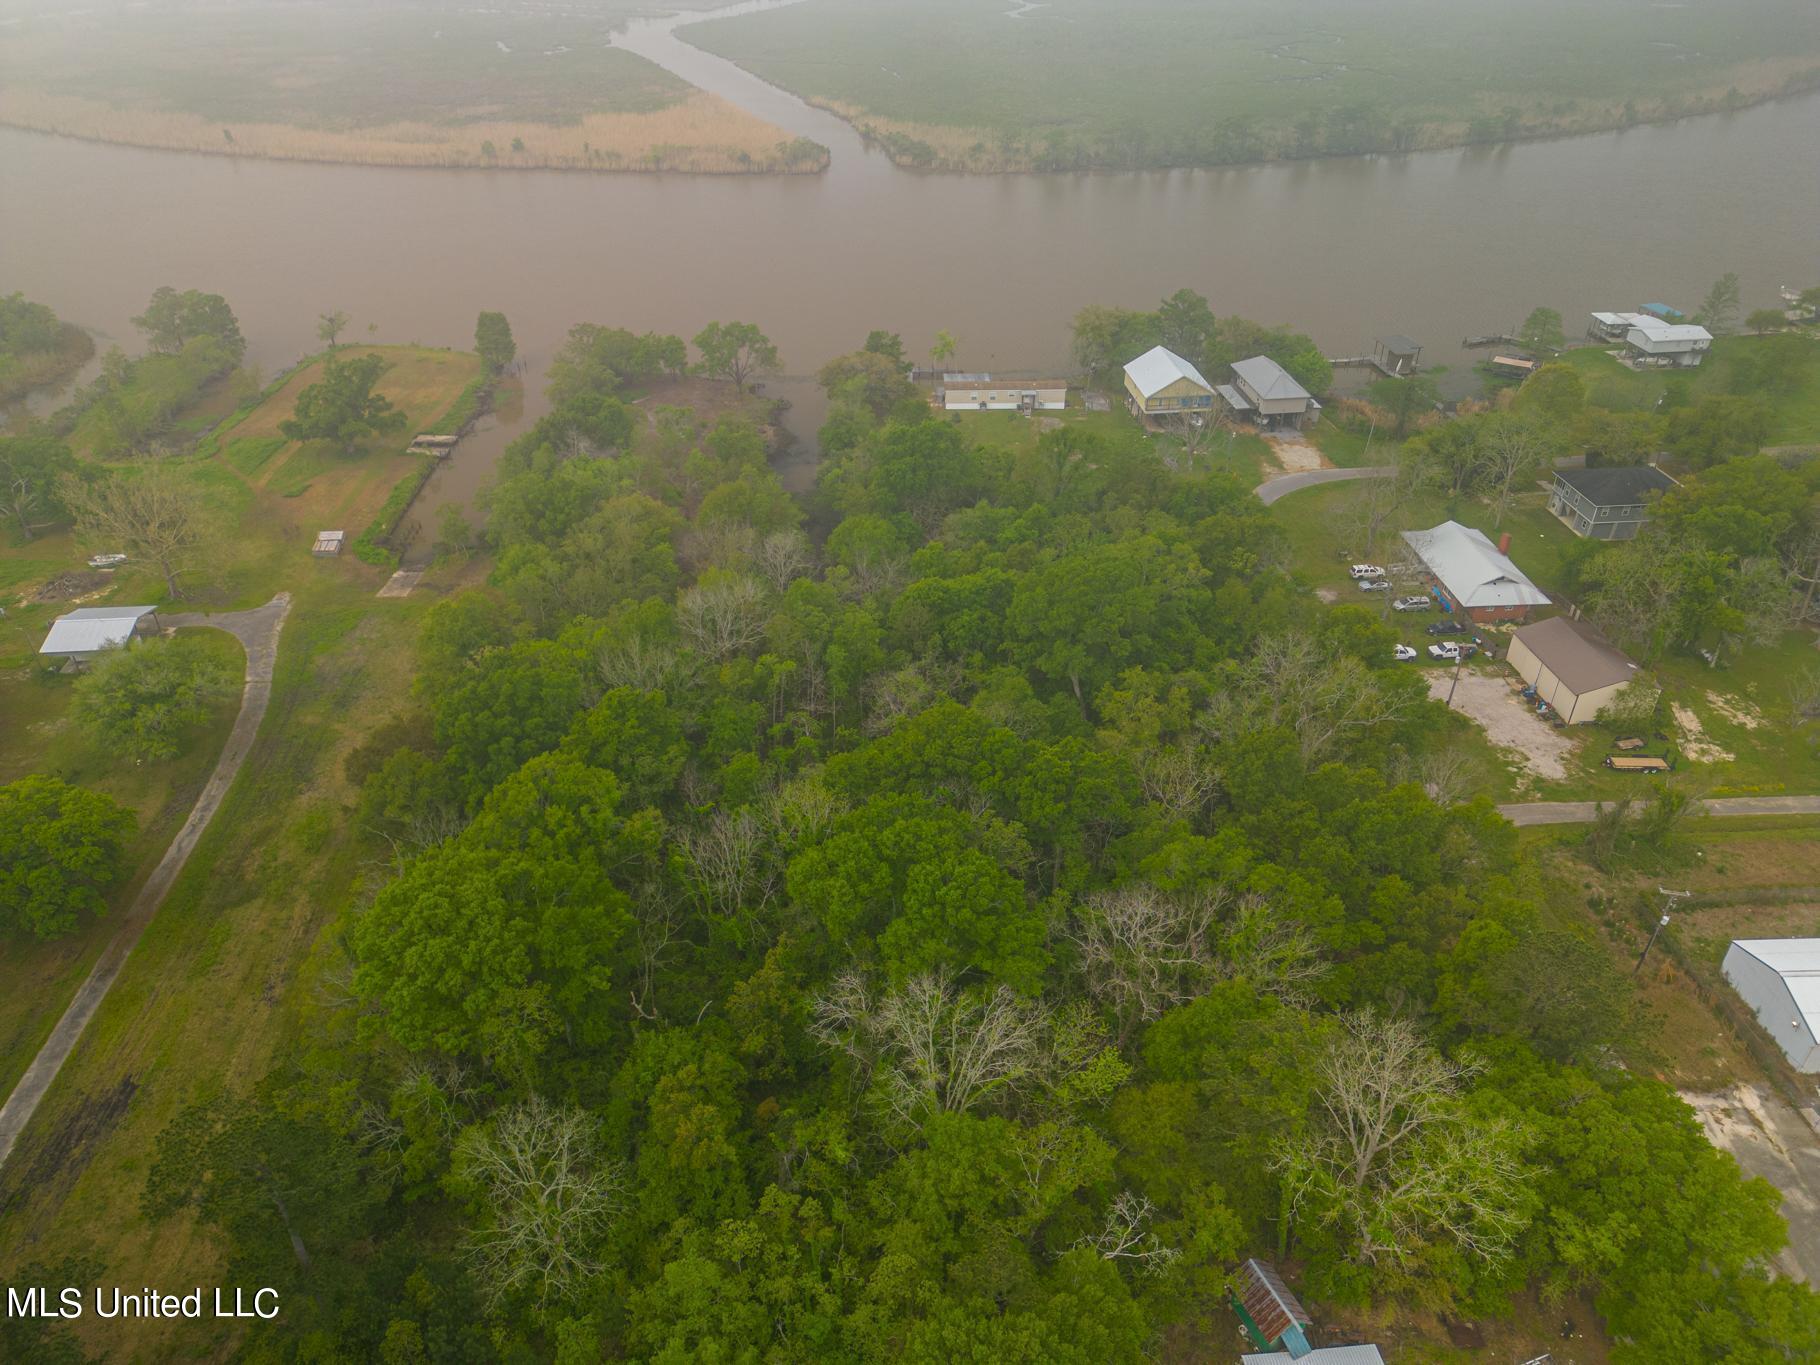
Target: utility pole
point(1670, 897)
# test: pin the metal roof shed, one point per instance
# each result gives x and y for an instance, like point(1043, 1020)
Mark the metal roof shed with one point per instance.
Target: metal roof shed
point(85, 632)
point(1779, 978)
point(1320, 1355)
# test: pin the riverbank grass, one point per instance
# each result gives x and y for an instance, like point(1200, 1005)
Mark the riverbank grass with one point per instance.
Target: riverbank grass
point(1082, 84)
point(1794, 413)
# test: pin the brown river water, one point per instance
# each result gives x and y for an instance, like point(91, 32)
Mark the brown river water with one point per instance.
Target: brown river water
point(1436, 245)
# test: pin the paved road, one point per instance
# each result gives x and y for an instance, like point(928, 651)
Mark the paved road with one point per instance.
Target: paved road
point(257, 630)
point(1272, 489)
point(1581, 812)
point(1769, 1139)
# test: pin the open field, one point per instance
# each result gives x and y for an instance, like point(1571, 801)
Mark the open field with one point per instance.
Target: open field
point(1082, 84)
point(212, 991)
point(380, 86)
point(1794, 416)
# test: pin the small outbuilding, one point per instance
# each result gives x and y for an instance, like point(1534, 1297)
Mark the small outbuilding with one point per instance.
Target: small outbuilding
point(328, 544)
point(80, 635)
point(1608, 503)
point(982, 393)
point(1572, 667)
point(1779, 978)
point(1270, 395)
point(1473, 576)
point(1159, 383)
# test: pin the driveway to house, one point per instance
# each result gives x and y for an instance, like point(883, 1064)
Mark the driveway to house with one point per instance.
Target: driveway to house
point(257, 630)
point(1582, 812)
point(1770, 1139)
point(1272, 489)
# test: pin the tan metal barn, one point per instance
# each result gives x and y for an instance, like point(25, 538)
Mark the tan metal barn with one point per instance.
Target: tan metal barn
point(1572, 667)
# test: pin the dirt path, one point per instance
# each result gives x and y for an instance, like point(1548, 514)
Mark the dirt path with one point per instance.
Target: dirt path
point(257, 630)
point(1582, 812)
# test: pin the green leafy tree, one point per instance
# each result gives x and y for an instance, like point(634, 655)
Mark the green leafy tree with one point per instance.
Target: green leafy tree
point(1763, 320)
point(32, 469)
point(341, 407)
point(1541, 331)
point(736, 351)
point(1554, 394)
point(888, 344)
point(172, 320)
point(281, 1188)
point(141, 700)
point(942, 350)
point(330, 326)
point(62, 849)
point(1404, 399)
point(493, 342)
point(1719, 309)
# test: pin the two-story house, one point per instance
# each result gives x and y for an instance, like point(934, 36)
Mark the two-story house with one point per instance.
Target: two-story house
point(1609, 503)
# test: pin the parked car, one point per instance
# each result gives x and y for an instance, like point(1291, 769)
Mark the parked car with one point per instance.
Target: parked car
point(1447, 628)
point(106, 561)
point(1374, 585)
point(1405, 653)
point(1447, 650)
point(1366, 571)
point(1417, 603)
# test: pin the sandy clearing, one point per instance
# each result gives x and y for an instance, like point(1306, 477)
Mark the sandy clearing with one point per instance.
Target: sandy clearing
point(1506, 720)
point(1735, 709)
point(1694, 743)
point(1771, 1140)
point(1296, 454)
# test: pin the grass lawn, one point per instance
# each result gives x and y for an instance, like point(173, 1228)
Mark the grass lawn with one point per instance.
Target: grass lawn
point(1346, 449)
point(213, 990)
point(1078, 84)
point(1794, 417)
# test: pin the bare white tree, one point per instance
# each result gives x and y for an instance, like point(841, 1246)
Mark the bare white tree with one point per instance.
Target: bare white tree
point(783, 557)
point(722, 615)
point(732, 875)
point(549, 1197)
point(1177, 778)
point(1393, 1158)
point(1127, 1236)
point(1143, 951)
point(637, 663)
point(931, 1048)
point(1511, 451)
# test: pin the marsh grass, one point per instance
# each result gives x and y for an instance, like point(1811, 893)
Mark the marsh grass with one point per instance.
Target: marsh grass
point(701, 133)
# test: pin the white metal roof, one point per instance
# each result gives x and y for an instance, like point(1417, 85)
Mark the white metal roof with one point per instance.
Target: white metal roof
point(1267, 379)
point(1158, 368)
point(1235, 400)
point(1472, 570)
point(88, 629)
point(1626, 319)
point(1797, 962)
point(1669, 331)
point(1321, 1355)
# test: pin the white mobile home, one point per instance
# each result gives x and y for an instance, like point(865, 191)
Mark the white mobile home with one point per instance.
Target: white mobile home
point(983, 393)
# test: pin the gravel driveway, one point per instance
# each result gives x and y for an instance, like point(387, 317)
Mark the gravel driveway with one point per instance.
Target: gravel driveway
point(1507, 721)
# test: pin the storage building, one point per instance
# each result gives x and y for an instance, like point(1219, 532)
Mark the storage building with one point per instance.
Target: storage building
point(1779, 978)
point(1159, 383)
point(1572, 667)
point(1473, 576)
point(82, 634)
